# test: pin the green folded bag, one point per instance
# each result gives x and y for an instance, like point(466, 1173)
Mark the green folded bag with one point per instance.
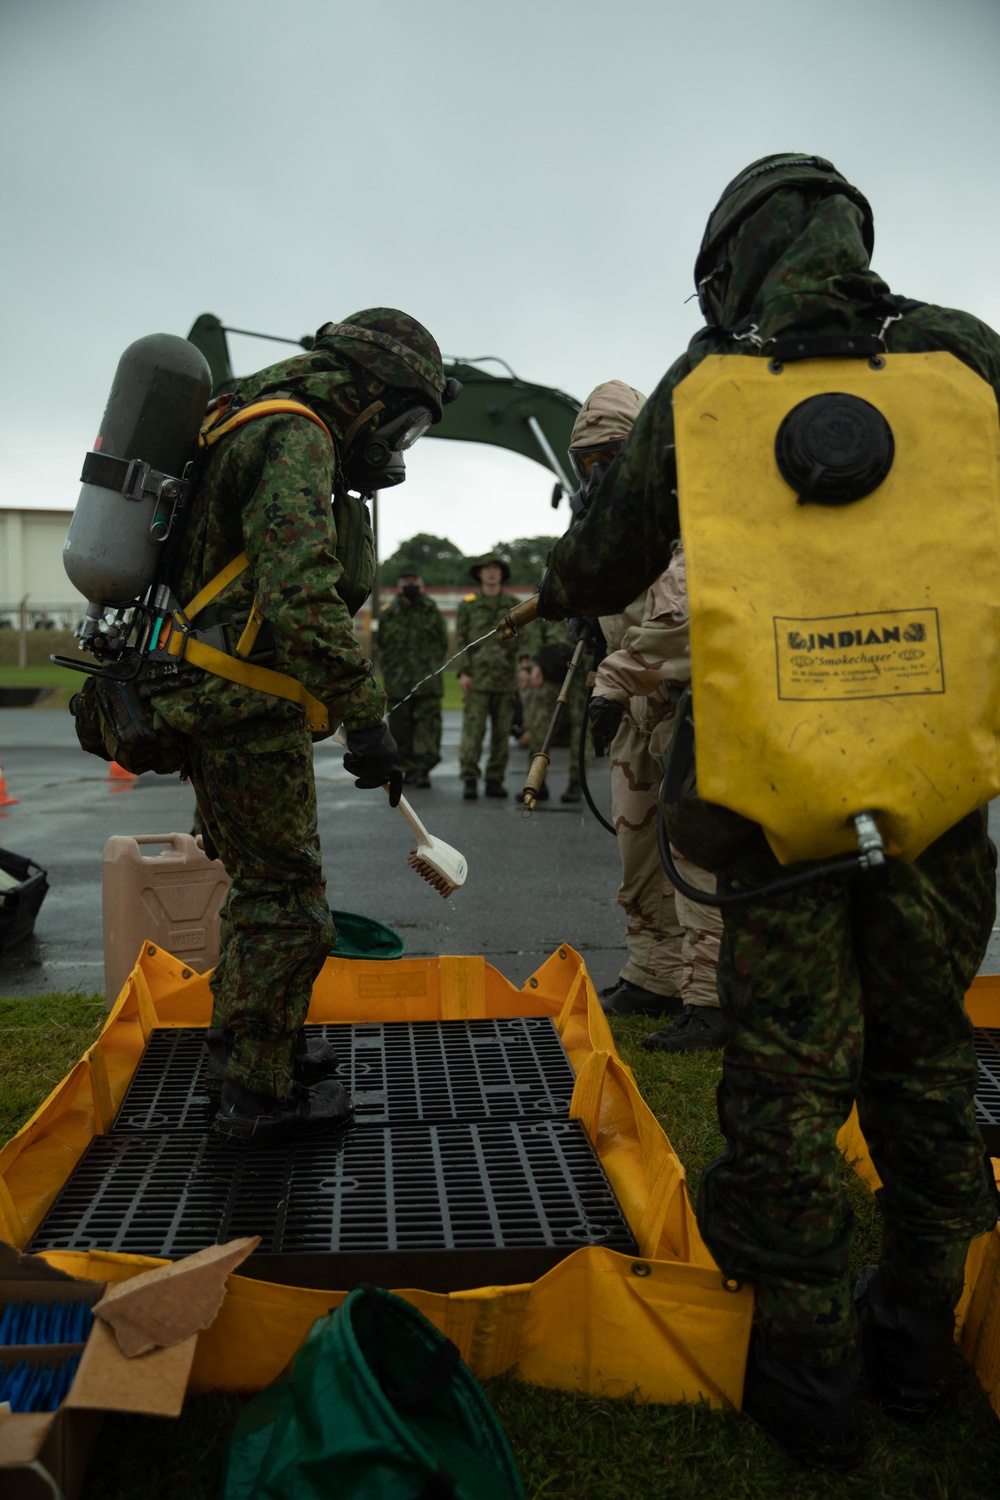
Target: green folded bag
point(377, 1405)
point(363, 937)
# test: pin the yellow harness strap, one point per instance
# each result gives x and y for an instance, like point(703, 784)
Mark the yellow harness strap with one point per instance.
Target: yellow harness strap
point(215, 585)
point(216, 424)
point(261, 679)
point(186, 648)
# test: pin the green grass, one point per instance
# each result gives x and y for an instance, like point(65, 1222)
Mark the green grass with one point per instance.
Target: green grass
point(40, 1040)
point(568, 1447)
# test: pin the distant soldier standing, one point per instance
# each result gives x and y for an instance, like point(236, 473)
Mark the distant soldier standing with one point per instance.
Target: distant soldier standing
point(413, 642)
point(488, 676)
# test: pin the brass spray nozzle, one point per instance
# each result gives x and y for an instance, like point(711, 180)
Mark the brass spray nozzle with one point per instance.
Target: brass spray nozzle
point(533, 783)
point(514, 619)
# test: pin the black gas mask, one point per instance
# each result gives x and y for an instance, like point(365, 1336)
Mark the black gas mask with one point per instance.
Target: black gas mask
point(590, 465)
point(411, 591)
point(376, 462)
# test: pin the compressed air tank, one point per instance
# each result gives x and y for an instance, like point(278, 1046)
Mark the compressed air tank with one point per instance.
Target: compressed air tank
point(148, 434)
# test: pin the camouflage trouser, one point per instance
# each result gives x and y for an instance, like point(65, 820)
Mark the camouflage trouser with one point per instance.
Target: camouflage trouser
point(527, 696)
point(498, 708)
point(841, 991)
point(257, 800)
point(544, 706)
point(416, 728)
point(673, 943)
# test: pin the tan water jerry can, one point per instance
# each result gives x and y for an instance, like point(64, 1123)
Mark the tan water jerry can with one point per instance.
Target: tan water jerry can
point(172, 899)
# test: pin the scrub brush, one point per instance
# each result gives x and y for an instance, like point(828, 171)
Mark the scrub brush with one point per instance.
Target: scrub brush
point(434, 860)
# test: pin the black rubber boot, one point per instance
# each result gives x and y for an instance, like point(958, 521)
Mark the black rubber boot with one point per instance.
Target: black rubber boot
point(625, 999)
point(699, 1028)
point(573, 793)
point(542, 795)
point(411, 778)
point(471, 792)
point(312, 1062)
point(495, 789)
point(250, 1119)
point(813, 1413)
point(423, 780)
point(908, 1350)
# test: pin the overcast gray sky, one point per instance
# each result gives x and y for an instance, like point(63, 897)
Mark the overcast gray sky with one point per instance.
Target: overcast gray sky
point(531, 179)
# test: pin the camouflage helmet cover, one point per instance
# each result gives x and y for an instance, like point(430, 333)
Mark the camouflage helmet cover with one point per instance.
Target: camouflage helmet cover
point(607, 415)
point(756, 182)
point(396, 349)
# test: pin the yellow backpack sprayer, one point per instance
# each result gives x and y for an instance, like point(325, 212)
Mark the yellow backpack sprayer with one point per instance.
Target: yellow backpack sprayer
point(846, 665)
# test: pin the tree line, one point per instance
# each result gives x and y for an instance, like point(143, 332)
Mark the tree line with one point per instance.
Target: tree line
point(442, 564)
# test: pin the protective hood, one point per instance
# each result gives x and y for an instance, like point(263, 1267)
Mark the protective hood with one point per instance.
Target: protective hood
point(607, 415)
point(799, 261)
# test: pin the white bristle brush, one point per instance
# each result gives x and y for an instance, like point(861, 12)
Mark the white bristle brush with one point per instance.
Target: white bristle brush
point(434, 860)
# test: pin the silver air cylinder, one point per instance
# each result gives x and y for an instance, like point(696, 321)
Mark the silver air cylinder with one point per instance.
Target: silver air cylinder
point(133, 476)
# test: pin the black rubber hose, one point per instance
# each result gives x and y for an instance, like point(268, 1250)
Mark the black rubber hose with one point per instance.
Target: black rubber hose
point(581, 766)
point(850, 866)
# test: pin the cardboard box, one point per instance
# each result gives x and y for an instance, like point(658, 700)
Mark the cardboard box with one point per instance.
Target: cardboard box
point(137, 1358)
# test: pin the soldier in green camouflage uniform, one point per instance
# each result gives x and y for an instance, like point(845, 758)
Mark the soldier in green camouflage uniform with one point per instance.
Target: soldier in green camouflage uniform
point(412, 643)
point(265, 489)
point(488, 674)
point(844, 991)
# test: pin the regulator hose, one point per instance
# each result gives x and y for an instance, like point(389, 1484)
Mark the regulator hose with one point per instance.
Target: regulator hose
point(852, 865)
point(581, 766)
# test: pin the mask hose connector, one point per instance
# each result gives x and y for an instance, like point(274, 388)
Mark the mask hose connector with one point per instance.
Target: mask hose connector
point(871, 847)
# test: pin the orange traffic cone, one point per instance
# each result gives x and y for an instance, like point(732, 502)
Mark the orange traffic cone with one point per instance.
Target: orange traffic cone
point(120, 778)
point(5, 799)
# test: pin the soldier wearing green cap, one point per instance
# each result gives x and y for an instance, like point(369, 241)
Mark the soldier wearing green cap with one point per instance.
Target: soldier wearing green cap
point(412, 642)
point(487, 672)
point(264, 490)
point(849, 990)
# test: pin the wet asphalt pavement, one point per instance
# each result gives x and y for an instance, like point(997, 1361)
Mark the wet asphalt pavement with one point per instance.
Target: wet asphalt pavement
point(533, 882)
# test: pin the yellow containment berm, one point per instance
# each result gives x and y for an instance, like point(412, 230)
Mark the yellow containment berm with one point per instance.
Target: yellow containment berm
point(662, 1327)
point(844, 659)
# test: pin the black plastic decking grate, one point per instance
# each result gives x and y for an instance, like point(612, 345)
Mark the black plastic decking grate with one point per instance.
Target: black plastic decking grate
point(987, 1041)
point(436, 1206)
point(426, 1071)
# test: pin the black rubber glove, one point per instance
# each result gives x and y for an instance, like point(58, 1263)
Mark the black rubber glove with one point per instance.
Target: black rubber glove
point(373, 758)
point(582, 629)
point(605, 716)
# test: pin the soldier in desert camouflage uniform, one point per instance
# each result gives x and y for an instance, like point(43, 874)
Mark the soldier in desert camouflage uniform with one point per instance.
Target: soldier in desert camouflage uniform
point(673, 942)
point(412, 642)
point(488, 675)
point(265, 490)
point(845, 991)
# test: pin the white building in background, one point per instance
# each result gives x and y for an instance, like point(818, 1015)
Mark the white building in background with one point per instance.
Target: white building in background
point(31, 569)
